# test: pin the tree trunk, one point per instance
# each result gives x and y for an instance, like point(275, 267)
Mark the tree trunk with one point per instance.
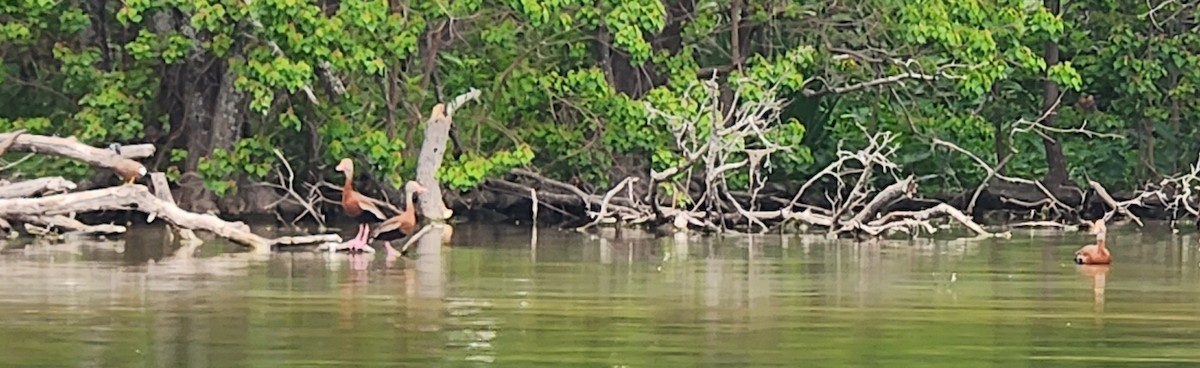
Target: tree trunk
point(433, 151)
point(196, 121)
point(1175, 117)
point(389, 98)
point(1146, 171)
point(1055, 161)
point(735, 13)
point(1001, 148)
point(226, 119)
point(226, 129)
point(99, 18)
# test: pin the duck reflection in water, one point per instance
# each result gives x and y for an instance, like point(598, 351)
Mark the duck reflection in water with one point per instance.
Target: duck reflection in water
point(1099, 276)
point(351, 288)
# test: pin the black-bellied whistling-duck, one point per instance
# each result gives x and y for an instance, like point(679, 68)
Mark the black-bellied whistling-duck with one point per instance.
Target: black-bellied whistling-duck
point(1095, 253)
point(401, 225)
point(129, 171)
point(358, 207)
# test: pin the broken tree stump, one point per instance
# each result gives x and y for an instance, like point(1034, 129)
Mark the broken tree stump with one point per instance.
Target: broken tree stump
point(433, 151)
point(162, 190)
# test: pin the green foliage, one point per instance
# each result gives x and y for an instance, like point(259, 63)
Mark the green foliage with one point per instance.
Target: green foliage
point(469, 170)
point(568, 85)
point(250, 156)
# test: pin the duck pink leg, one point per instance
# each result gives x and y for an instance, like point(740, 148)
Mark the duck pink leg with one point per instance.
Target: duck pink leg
point(366, 234)
point(357, 243)
point(391, 252)
point(360, 242)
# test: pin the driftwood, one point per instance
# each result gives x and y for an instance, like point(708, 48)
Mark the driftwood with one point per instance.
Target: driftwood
point(58, 210)
point(70, 224)
point(35, 187)
point(73, 149)
point(138, 197)
point(887, 196)
point(915, 218)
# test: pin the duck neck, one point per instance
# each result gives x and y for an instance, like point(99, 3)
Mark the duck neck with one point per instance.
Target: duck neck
point(409, 210)
point(349, 180)
point(1100, 241)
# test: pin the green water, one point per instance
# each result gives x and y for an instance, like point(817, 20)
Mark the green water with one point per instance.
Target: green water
point(496, 299)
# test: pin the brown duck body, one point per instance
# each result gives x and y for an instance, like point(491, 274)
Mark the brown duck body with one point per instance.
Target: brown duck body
point(396, 227)
point(1095, 254)
point(356, 205)
point(405, 223)
point(129, 171)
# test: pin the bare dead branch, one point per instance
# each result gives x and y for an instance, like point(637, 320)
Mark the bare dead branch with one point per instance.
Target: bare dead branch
point(1108, 199)
point(887, 196)
point(600, 216)
point(1043, 224)
point(568, 187)
point(163, 191)
point(878, 227)
point(288, 186)
point(459, 100)
point(907, 75)
point(992, 172)
point(5, 143)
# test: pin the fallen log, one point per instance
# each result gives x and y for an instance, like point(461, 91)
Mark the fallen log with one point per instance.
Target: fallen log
point(35, 187)
point(903, 188)
point(70, 224)
point(911, 218)
point(139, 198)
point(74, 149)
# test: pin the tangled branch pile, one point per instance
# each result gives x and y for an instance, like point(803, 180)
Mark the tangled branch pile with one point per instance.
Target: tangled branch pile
point(844, 197)
point(715, 146)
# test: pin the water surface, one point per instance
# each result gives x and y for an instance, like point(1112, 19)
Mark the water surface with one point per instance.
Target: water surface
point(496, 297)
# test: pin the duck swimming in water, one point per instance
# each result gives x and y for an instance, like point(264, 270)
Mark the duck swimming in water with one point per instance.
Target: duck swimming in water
point(1095, 254)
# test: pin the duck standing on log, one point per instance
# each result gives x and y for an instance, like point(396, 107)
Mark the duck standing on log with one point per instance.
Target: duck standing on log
point(128, 170)
point(1095, 254)
point(358, 206)
point(401, 225)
